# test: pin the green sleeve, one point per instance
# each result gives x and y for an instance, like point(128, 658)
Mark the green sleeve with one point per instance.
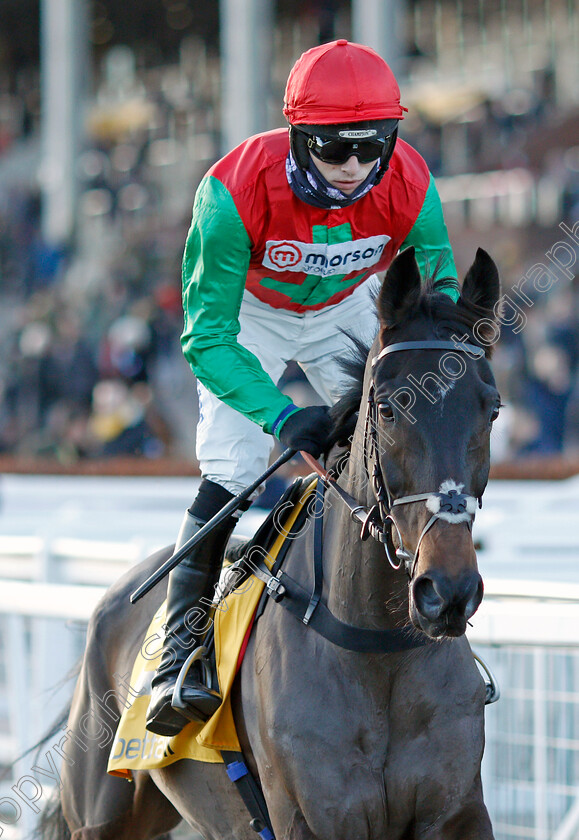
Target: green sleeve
point(430, 239)
point(214, 270)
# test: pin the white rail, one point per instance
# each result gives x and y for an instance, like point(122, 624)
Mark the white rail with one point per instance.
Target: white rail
point(49, 600)
point(513, 613)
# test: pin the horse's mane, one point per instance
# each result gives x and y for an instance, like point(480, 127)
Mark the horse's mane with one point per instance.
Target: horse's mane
point(434, 308)
point(344, 412)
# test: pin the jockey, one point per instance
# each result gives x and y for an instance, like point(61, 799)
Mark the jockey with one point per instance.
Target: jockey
point(287, 230)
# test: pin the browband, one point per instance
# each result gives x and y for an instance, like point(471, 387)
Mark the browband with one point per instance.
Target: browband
point(460, 346)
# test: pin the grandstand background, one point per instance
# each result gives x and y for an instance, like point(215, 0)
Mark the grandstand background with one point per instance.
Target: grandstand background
point(110, 113)
point(93, 290)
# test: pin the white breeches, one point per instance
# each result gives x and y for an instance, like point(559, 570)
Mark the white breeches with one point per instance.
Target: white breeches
point(232, 450)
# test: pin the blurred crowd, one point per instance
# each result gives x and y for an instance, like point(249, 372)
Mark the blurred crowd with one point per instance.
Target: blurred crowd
point(90, 362)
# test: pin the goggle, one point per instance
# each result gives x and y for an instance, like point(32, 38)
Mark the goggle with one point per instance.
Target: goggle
point(339, 151)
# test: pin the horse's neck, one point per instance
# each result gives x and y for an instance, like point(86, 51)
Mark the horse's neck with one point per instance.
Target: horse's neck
point(362, 587)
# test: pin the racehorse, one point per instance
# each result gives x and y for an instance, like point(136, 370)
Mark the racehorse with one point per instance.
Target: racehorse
point(346, 743)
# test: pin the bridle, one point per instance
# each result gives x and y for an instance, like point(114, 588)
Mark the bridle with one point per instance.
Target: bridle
point(447, 503)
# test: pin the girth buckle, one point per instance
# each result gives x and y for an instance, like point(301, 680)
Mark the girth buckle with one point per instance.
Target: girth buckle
point(275, 588)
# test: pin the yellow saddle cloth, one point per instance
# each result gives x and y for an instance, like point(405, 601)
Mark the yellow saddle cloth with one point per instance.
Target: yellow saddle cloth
point(134, 748)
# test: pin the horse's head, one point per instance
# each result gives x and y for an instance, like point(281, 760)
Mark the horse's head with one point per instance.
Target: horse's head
point(430, 412)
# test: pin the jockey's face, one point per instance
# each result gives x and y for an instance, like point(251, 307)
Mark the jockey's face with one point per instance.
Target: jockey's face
point(346, 176)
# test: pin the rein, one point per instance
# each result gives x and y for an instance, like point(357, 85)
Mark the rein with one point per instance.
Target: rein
point(310, 608)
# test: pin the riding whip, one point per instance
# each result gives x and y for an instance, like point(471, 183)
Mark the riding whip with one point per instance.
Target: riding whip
point(226, 511)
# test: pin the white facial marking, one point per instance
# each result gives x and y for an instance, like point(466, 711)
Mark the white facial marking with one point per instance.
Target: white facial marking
point(443, 392)
point(449, 485)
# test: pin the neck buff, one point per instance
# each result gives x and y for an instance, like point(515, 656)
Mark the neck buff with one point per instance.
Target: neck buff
point(310, 186)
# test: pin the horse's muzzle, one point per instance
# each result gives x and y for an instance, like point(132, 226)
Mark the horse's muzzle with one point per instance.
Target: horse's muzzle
point(441, 605)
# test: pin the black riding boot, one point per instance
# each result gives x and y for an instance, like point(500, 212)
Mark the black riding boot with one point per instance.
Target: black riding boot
point(190, 591)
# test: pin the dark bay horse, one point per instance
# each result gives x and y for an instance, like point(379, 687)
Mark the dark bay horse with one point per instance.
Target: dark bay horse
point(347, 745)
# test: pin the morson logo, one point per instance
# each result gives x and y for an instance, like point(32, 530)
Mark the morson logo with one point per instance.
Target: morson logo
point(283, 255)
point(323, 259)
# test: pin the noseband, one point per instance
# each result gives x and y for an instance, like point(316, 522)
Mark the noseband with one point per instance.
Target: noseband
point(448, 503)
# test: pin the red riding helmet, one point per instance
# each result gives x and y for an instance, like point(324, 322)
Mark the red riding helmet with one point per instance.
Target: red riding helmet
point(342, 91)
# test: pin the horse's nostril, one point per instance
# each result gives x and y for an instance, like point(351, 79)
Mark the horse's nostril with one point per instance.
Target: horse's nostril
point(436, 594)
point(427, 598)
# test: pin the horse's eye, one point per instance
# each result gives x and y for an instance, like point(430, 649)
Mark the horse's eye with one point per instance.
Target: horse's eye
point(385, 410)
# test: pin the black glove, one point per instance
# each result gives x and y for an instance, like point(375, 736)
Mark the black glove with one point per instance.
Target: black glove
point(308, 430)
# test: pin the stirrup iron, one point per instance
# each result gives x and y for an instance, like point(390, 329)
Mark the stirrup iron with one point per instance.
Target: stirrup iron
point(197, 655)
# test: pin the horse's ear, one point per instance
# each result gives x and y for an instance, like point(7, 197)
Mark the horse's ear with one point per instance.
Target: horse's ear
point(400, 290)
point(481, 287)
